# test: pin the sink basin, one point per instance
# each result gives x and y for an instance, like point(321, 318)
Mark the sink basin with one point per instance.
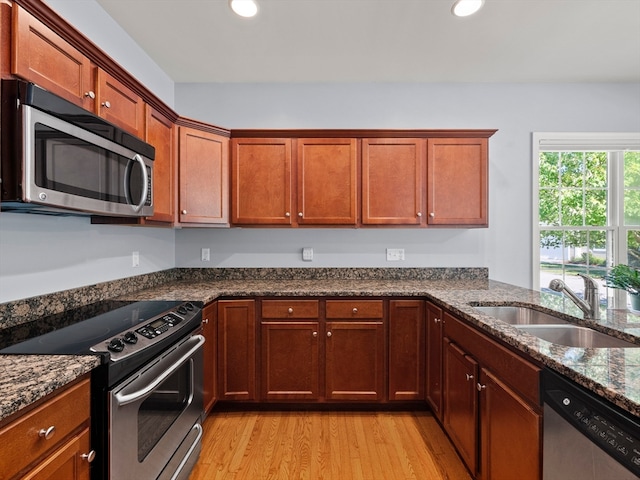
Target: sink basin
point(517, 315)
point(575, 336)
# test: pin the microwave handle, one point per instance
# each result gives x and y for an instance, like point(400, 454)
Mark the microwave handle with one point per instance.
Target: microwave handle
point(145, 183)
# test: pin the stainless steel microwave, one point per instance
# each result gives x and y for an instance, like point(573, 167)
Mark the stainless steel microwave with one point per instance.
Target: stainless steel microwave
point(58, 158)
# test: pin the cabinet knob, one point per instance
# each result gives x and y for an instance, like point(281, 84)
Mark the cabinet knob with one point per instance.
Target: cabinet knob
point(419, 214)
point(469, 376)
point(184, 212)
point(106, 104)
point(205, 321)
point(89, 457)
point(90, 94)
point(314, 334)
point(290, 310)
point(355, 310)
point(300, 214)
point(436, 320)
point(432, 214)
point(480, 387)
point(287, 214)
point(47, 433)
point(329, 334)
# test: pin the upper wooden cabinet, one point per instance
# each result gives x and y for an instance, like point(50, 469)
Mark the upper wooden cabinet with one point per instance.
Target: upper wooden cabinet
point(393, 179)
point(40, 55)
point(261, 181)
point(457, 181)
point(118, 104)
point(204, 177)
point(327, 181)
point(5, 39)
point(160, 132)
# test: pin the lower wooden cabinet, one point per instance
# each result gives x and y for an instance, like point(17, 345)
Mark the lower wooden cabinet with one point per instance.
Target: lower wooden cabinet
point(406, 350)
point(65, 463)
point(210, 373)
point(434, 388)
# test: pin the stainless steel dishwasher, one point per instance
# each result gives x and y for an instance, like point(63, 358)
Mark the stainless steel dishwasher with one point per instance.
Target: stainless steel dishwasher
point(586, 437)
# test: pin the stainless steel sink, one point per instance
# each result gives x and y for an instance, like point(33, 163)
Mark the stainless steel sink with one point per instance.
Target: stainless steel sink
point(518, 315)
point(575, 336)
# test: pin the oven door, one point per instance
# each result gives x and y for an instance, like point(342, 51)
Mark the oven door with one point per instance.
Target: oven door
point(154, 416)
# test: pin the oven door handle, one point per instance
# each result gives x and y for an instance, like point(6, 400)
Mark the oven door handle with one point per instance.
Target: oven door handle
point(124, 399)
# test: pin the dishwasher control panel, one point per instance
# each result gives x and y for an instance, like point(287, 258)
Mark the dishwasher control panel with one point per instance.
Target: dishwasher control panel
point(611, 430)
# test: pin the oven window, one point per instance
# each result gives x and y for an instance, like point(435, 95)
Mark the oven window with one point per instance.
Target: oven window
point(158, 412)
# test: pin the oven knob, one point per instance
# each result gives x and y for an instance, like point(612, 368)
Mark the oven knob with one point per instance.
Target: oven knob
point(116, 345)
point(130, 338)
point(182, 310)
point(189, 306)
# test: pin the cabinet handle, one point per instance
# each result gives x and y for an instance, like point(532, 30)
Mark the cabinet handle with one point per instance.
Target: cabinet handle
point(314, 334)
point(300, 214)
point(480, 387)
point(106, 104)
point(287, 214)
point(419, 214)
point(290, 310)
point(184, 212)
point(89, 457)
point(47, 433)
point(205, 321)
point(469, 376)
point(355, 310)
point(90, 94)
point(436, 320)
point(329, 334)
point(432, 214)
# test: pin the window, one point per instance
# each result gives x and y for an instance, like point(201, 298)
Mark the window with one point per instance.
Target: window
point(586, 214)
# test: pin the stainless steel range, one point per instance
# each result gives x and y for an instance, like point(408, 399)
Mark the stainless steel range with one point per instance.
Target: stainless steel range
point(147, 392)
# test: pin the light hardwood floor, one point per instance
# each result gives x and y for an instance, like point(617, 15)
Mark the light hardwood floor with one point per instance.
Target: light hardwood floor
point(326, 446)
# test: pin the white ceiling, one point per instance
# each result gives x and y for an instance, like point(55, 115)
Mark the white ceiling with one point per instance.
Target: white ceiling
point(388, 40)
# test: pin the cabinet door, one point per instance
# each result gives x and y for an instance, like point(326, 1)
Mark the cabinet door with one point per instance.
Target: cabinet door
point(461, 404)
point(406, 350)
point(510, 432)
point(393, 181)
point(434, 358)
point(65, 463)
point(44, 58)
point(204, 177)
point(5, 39)
point(327, 181)
point(118, 104)
point(290, 360)
point(210, 332)
point(457, 181)
point(161, 134)
point(261, 180)
point(236, 350)
point(354, 363)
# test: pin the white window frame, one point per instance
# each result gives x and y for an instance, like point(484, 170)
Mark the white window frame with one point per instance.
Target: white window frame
point(585, 142)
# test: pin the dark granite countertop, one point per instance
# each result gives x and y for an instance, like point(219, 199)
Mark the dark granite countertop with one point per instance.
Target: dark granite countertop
point(613, 373)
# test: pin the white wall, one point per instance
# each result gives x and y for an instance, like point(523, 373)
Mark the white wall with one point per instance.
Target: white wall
point(516, 110)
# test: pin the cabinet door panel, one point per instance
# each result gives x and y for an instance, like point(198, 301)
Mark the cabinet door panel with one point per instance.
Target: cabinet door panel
point(66, 462)
point(204, 171)
point(290, 360)
point(161, 134)
point(406, 350)
point(210, 332)
point(511, 433)
point(461, 404)
point(41, 56)
point(355, 361)
point(434, 359)
point(261, 179)
point(327, 181)
point(118, 104)
point(393, 181)
point(457, 181)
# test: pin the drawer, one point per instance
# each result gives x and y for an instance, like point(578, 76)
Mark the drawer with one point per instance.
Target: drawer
point(21, 441)
point(282, 309)
point(354, 309)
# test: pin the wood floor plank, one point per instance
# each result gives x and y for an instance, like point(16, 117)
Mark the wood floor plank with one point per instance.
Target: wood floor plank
point(300, 445)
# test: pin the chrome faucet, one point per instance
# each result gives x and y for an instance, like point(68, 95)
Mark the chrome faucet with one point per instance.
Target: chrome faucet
point(591, 303)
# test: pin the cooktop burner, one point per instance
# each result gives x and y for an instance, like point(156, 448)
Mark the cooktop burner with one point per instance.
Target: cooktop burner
point(76, 331)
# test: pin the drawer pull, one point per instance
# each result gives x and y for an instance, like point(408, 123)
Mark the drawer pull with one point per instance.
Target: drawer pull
point(290, 310)
point(355, 310)
point(89, 457)
point(47, 433)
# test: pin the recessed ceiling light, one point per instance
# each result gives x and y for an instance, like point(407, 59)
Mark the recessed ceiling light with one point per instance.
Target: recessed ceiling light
point(464, 8)
point(244, 8)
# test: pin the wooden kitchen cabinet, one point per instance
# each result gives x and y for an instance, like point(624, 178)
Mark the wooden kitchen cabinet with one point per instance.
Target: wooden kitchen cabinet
point(41, 56)
point(393, 180)
point(406, 349)
point(261, 181)
point(503, 416)
point(118, 104)
point(160, 132)
point(327, 181)
point(236, 350)
point(355, 350)
point(210, 367)
point(434, 361)
point(27, 453)
point(5, 39)
point(204, 177)
point(457, 181)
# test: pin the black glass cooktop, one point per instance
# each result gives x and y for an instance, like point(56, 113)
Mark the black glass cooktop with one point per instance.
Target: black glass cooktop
point(75, 331)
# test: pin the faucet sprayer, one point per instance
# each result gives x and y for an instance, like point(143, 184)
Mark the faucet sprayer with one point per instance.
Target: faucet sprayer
point(591, 303)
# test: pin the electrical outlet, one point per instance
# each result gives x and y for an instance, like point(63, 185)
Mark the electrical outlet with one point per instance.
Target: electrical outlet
point(307, 254)
point(135, 259)
point(205, 255)
point(395, 254)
